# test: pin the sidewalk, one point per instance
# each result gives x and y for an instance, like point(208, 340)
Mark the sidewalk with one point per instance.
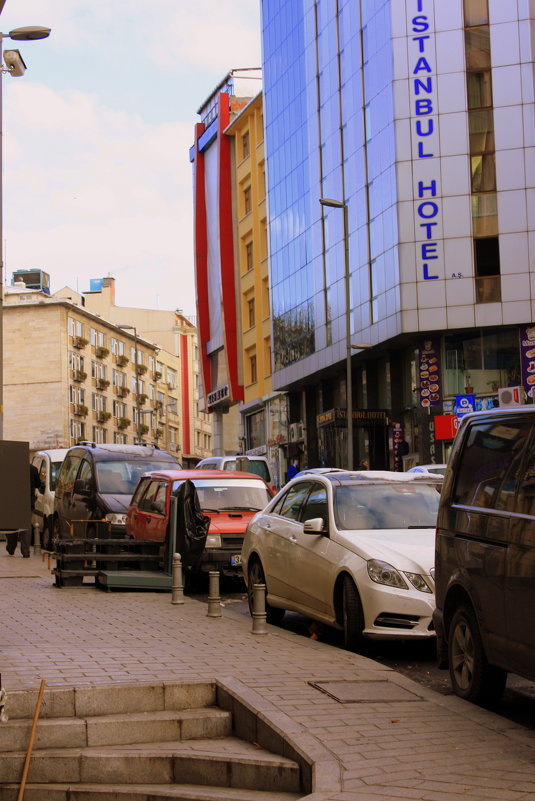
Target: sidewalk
point(386, 736)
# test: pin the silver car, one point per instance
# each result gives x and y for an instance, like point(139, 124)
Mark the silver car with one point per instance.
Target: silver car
point(354, 550)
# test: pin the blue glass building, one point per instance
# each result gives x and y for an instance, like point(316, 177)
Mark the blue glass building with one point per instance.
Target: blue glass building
point(418, 117)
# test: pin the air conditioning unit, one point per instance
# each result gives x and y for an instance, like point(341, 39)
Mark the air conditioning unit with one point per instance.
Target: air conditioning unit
point(294, 432)
point(511, 396)
point(297, 432)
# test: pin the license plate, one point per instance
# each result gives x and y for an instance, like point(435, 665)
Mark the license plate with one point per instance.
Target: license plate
point(235, 560)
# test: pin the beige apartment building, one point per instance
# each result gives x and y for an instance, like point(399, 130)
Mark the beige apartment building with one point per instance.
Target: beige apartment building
point(176, 336)
point(70, 374)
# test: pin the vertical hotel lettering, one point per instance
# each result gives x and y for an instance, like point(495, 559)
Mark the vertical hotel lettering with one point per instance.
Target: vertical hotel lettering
point(425, 142)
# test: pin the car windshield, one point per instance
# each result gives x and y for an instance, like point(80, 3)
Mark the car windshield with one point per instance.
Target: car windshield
point(218, 495)
point(384, 506)
point(121, 478)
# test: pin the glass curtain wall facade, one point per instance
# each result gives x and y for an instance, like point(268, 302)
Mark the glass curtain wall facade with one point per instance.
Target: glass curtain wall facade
point(329, 119)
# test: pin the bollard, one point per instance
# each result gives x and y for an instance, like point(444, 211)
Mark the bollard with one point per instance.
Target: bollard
point(177, 591)
point(36, 539)
point(214, 601)
point(259, 609)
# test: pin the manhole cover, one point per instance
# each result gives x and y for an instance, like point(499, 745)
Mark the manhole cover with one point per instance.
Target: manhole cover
point(358, 692)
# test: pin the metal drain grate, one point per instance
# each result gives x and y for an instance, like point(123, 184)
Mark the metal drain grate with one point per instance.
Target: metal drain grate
point(360, 692)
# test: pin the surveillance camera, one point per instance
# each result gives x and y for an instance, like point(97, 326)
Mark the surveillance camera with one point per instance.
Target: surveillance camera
point(14, 63)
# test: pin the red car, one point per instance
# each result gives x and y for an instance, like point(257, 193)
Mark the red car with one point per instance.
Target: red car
point(228, 498)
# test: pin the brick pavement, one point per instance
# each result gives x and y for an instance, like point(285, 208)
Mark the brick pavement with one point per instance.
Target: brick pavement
point(392, 739)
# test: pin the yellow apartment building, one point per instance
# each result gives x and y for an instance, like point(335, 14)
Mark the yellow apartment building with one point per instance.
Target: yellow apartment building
point(264, 412)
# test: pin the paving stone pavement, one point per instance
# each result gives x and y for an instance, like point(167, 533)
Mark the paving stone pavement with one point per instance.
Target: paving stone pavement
point(389, 739)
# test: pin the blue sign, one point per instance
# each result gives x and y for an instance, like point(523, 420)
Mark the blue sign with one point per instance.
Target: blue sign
point(464, 404)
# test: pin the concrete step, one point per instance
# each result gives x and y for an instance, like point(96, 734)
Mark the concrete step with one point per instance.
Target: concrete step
point(227, 762)
point(137, 727)
point(113, 699)
point(139, 792)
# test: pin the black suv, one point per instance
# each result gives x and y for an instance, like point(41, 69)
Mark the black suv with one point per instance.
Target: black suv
point(485, 554)
point(96, 482)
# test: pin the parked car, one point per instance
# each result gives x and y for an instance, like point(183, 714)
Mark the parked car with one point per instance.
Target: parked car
point(353, 550)
point(48, 463)
point(437, 469)
point(248, 464)
point(228, 498)
point(485, 554)
point(96, 482)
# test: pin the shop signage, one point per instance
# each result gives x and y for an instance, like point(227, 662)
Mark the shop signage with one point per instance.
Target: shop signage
point(446, 426)
point(527, 359)
point(430, 379)
point(464, 404)
point(425, 137)
point(366, 417)
point(219, 394)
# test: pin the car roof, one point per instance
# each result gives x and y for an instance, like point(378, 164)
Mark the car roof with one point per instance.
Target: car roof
point(195, 474)
point(348, 477)
point(53, 453)
point(110, 452)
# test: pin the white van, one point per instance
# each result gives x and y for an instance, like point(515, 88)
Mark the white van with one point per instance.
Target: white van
point(258, 465)
point(48, 464)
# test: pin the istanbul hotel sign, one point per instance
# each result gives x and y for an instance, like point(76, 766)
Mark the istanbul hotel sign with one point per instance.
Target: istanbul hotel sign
point(425, 141)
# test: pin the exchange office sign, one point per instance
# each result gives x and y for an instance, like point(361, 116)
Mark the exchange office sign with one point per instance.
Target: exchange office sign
point(364, 417)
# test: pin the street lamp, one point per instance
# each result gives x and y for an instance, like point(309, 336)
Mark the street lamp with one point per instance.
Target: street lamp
point(138, 410)
point(15, 65)
point(337, 204)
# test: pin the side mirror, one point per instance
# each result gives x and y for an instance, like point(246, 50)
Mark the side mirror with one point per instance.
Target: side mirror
point(314, 526)
point(82, 486)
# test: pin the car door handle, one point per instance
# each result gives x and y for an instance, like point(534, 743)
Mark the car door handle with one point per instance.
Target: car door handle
point(292, 538)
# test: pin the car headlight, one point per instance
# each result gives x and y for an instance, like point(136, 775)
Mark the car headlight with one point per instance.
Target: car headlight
point(383, 573)
point(213, 541)
point(418, 582)
point(115, 519)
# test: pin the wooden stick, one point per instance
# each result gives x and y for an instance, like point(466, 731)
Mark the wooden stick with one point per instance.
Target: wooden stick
point(30, 744)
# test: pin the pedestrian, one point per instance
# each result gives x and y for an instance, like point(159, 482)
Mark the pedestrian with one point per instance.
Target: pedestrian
point(364, 464)
point(293, 469)
point(403, 450)
point(23, 535)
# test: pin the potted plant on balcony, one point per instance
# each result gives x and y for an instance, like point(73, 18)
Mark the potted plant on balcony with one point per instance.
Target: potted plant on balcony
point(79, 342)
point(142, 369)
point(156, 376)
point(102, 352)
point(80, 375)
point(493, 385)
point(103, 416)
point(468, 388)
point(143, 429)
point(81, 410)
point(142, 398)
point(122, 360)
point(102, 383)
point(123, 422)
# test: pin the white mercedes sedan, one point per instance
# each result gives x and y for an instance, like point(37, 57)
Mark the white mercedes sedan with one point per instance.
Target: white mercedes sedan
point(353, 550)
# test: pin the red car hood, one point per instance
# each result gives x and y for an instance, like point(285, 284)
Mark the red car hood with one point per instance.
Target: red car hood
point(229, 522)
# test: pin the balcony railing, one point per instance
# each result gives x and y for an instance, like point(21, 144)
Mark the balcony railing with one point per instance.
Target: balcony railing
point(122, 392)
point(102, 352)
point(79, 342)
point(80, 410)
point(102, 383)
point(79, 375)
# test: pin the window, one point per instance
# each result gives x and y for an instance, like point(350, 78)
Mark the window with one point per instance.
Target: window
point(487, 270)
point(252, 369)
point(245, 145)
point(251, 311)
point(488, 469)
point(101, 339)
point(477, 44)
point(93, 336)
point(483, 173)
point(316, 506)
point(249, 256)
point(481, 128)
point(479, 86)
point(292, 501)
point(114, 344)
point(247, 200)
point(476, 12)
point(171, 378)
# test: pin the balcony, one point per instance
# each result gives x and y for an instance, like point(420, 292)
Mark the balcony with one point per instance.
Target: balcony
point(156, 376)
point(80, 410)
point(102, 352)
point(141, 369)
point(122, 392)
point(102, 383)
point(79, 375)
point(103, 416)
point(123, 422)
point(122, 360)
point(79, 342)
point(142, 398)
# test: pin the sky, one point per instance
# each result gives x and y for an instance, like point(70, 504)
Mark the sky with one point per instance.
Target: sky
point(96, 138)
